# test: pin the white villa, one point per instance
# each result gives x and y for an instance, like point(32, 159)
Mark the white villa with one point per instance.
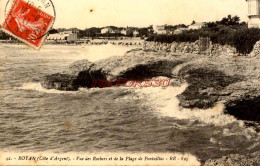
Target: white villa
point(179, 31)
point(126, 32)
point(135, 33)
point(107, 30)
point(253, 13)
point(197, 25)
point(70, 35)
point(160, 29)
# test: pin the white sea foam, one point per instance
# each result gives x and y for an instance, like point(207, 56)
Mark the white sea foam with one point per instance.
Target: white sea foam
point(38, 87)
point(164, 100)
point(167, 104)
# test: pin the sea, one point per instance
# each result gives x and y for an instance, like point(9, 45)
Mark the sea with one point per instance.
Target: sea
point(114, 119)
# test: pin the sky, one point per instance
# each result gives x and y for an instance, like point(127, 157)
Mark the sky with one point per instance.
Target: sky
point(140, 13)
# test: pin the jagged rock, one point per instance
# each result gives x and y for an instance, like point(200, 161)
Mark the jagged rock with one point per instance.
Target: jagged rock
point(202, 81)
point(133, 66)
point(252, 159)
point(185, 47)
point(75, 76)
point(246, 108)
point(78, 66)
point(256, 49)
point(60, 82)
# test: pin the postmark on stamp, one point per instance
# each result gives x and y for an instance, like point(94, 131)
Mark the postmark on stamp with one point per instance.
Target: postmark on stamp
point(29, 23)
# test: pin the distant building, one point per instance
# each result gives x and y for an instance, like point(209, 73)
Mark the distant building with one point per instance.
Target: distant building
point(179, 31)
point(170, 30)
point(160, 29)
point(58, 37)
point(253, 13)
point(117, 31)
point(150, 30)
point(107, 30)
point(197, 25)
point(135, 33)
point(127, 32)
point(69, 35)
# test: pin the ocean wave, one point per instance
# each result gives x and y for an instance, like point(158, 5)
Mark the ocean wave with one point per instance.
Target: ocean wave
point(38, 87)
point(166, 103)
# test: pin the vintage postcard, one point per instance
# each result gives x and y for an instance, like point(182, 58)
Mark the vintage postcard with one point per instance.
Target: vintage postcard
point(130, 82)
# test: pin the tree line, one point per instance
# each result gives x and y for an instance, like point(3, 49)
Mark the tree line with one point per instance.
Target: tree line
point(227, 31)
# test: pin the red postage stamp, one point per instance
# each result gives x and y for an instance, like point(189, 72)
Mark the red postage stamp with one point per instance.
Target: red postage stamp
point(27, 23)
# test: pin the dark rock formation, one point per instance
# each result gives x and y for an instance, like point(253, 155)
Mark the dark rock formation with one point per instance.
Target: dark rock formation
point(204, 85)
point(132, 66)
point(245, 109)
point(60, 82)
point(77, 75)
point(78, 66)
point(234, 81)
point(135, 65)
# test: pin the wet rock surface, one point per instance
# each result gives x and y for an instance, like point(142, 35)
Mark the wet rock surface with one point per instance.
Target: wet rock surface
point(135, 65)
point(78, 66)
point(204, 85)
point(75, 76)
point(59, 81)
point(237, 108)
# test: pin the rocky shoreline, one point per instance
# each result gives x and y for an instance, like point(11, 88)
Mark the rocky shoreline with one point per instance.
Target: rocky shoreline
point(232, 80)
point(190, 47)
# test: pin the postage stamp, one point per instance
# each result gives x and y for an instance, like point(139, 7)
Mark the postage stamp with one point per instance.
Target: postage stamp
point(28, 23)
